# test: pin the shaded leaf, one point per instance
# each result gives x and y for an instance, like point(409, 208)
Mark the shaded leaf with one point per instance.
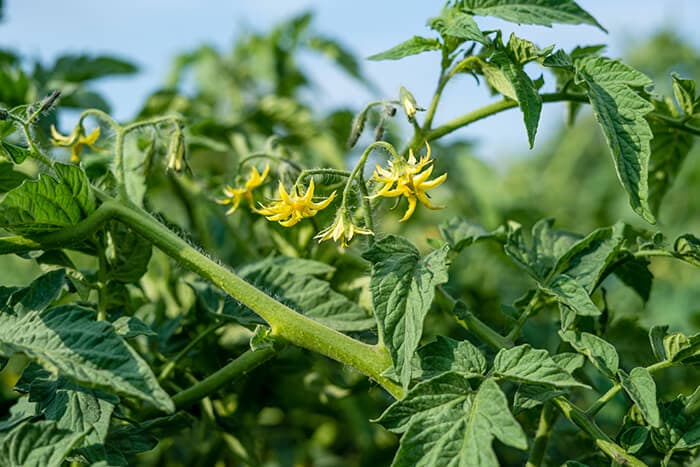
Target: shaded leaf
point(641, 388)
point(292, 281)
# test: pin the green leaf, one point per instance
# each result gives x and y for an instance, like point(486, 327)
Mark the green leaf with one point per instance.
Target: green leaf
point(131, 326)
point(69, 342)
point(16, 154)
point(620, 111)
point(548, 245)
point(684, 92)
point(588, 259)
point(569, 361)
point(669, 149)
point(641, 388)
point(9, 177)
point(79, 68)
point(128, 254)
point(446, 423)
point(529, 396)
point(460, 233)
point(20, 411)
point(634, 438)
point(38, 295)
point(559, 59)
point(412, 46)
point(49, 203)
point(572, 294)
point(37, 444)
point(292, 281)
point(445, 355)
point(403, 287)
point(599, 352)
point(542, 12)
point(656, 339)
point(526, 93)
point(679, 431)
point(73, 407)
point(688, 248)
point(455, 23)
point(636, 275)
point(524, 364)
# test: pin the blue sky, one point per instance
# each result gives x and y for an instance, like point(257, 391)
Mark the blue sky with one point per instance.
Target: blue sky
point(150, 32)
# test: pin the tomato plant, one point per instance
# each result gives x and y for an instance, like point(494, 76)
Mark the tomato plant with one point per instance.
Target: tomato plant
point(235, 278)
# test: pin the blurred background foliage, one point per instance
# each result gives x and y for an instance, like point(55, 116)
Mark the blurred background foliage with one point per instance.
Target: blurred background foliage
point(301, 409)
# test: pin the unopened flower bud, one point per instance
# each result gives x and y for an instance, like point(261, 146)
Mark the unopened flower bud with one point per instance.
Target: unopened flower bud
point(408, 102)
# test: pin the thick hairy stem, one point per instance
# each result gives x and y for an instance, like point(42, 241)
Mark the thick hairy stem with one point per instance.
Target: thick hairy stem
point(287, 324)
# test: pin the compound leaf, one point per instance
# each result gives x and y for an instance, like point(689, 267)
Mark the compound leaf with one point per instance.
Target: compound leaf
point(446, 423)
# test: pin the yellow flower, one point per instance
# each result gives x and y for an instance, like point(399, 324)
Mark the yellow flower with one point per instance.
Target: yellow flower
point(235, 195)
point(342, 229)
point(293, 207)
point(409, 179)
point(76, 140)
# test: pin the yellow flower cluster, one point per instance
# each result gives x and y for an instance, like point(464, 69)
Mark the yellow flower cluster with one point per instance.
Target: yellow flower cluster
point(293, 207)
point(235, 195)
point(342, 229)
point(402, 178)
point(410, 180)
point(76, 140)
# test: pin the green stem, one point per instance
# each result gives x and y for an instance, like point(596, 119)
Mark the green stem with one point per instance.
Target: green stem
point(544, 429)
point(602, 440)
point(522, 319)
point(170, 366)
point(309, 172)
point(367, 203)
point(361, 165)
point(494, 108)
point(102, 278)
point(287, 324)
point(612, 392)
point(471, 323)
point(212, 383)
